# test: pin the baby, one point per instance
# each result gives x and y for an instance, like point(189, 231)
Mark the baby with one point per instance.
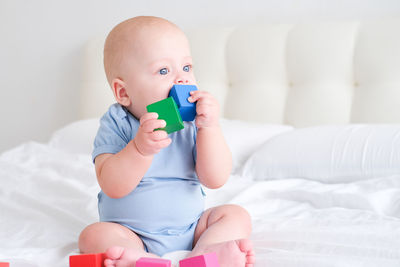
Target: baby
point(151, 200)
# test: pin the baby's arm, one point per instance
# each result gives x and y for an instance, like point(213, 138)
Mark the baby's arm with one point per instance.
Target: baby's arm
point(118, 174)
point(214, 159)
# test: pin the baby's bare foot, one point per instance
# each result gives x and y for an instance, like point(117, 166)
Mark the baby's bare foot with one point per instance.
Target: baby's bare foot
point(124, 257)
point(235, 253)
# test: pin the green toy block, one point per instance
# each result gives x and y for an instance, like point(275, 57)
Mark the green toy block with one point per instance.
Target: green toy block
point(167, 110)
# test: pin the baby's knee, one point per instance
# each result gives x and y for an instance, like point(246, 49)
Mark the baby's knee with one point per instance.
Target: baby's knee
point(88, 236)
point(241, 216)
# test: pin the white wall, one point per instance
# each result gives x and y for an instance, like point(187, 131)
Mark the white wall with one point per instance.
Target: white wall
point(41, 46)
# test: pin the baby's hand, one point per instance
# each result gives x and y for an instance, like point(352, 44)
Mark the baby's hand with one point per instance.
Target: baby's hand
point(207, 109)
point(148, 141)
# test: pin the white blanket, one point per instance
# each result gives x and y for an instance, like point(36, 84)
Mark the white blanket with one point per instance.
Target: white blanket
point(47, 196)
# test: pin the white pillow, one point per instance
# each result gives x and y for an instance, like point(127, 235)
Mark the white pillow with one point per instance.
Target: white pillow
point(243, 138)
point(77, 137)
point(329, 154)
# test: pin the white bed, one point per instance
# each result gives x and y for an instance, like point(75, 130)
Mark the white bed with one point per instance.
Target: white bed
point(311, 116)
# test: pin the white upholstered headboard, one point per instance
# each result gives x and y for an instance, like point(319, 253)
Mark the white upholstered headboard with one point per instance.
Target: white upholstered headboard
point(297, 74)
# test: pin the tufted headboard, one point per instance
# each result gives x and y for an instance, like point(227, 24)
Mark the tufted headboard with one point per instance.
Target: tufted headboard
point(297, 74)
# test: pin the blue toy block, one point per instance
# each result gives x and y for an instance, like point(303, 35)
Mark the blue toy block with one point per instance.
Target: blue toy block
point(180, 93)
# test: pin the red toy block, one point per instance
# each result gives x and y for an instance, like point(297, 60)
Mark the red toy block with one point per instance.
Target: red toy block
point(4, 264)
point(205, 260)
point(152, 262)
point(87, 260)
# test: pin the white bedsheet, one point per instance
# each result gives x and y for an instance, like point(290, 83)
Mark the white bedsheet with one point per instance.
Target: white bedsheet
point(48, 196)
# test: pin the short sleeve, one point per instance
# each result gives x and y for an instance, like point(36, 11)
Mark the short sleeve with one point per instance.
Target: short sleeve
point(114, 133)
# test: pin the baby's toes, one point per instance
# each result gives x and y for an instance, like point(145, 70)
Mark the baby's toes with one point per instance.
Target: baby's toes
point(109, 263)
point(246, 246)
point(250, 260)
point(115, 253)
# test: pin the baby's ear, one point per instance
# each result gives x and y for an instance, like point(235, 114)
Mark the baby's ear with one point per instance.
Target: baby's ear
point(120, 93)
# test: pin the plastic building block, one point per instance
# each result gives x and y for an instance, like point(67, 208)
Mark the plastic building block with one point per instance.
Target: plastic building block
point(167, 110)
point(87, 260)
point(180, 93)
point(152, 262)
point(4, 264)
point(205, 260)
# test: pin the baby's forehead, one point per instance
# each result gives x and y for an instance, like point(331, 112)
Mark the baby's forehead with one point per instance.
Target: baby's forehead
point(141, 28)
point(152, 36)
point(139, 37)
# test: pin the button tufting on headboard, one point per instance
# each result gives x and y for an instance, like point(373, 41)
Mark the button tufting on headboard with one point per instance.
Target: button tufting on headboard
point(298, 74)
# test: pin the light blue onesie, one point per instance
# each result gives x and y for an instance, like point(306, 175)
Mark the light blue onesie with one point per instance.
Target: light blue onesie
point(166, 205)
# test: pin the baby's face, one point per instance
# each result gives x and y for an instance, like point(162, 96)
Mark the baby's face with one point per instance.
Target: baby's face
point(160, 59)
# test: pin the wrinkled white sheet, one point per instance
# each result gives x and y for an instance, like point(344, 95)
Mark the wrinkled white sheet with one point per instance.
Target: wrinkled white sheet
point(48, 196)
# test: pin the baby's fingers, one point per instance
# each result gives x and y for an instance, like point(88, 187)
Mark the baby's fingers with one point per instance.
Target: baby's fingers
point(196, 95)
point(204, 109)
point(159, 135)
point(164, 143)
point(150, 125)
point(148, 116)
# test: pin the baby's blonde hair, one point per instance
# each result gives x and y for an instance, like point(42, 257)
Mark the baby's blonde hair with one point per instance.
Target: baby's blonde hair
point(122, 37)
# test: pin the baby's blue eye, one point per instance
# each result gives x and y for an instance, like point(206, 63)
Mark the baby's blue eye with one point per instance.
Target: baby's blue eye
point(186, 68)
point(163, 71)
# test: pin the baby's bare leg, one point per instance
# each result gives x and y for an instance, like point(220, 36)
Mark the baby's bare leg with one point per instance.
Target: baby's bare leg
point(98, 237)
point(222, 223)
point(122, 246)
point(225, 231)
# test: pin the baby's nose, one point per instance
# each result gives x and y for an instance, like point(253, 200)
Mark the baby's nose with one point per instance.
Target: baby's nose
point(181, 80)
